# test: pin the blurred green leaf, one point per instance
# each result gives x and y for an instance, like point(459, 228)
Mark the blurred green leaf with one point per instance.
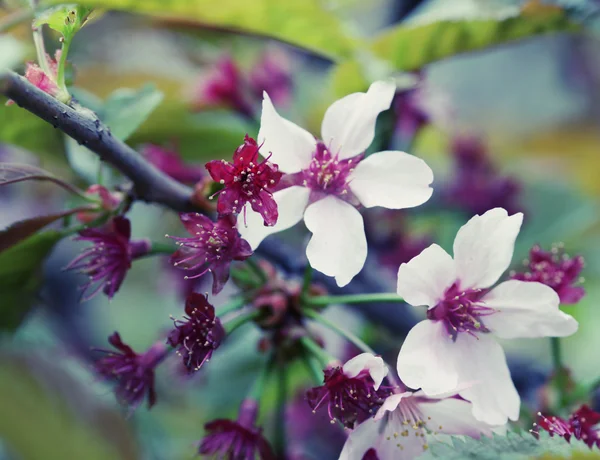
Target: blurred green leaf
point(17, 126)
point(47, 414)
point(410, 48)
point(66, 19)
point(304, 23)
point(20, 268)
point(12, 52)
point(126, 109)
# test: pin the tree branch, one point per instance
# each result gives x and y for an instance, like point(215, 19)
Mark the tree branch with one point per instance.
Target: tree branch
point(150, 184)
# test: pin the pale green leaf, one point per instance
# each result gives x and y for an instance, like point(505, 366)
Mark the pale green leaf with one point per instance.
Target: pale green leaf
point(126, 109)
point(304, 23)
point(513, 446)
point(410, 48)
point(66, 19)
point(413, 47)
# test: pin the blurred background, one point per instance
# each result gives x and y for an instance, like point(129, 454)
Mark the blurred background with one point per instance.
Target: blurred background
point(501, 98)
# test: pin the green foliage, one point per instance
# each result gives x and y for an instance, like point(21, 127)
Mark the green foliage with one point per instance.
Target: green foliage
point(304, 23)
point(47, 414)
point(513, 446)
point(20, 267)
point(16, 126)
point(126, 109)
point(410, 48)
point(65, 19)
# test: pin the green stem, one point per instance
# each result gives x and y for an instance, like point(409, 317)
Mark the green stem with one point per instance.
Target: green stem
point(257, 269)
point(356, 298)
point(60, 74)
point(240, 320)
point(308, 272)
point(313, 368)
point(260, 383)
point(560, 375)
point(346, 334)
point(280, 435)
point(317, 351)
point(15, 18)
point(232, 306)
point(161, 248)
point(40, 49)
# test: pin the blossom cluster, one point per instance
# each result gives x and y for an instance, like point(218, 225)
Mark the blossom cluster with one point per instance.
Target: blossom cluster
point(451, 374)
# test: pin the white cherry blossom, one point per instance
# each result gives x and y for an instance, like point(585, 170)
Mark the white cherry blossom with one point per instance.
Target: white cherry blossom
point(329, 178)
point(406, 422)
point(456, 343)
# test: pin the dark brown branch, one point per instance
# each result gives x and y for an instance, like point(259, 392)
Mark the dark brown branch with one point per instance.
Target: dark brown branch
point(150, 184)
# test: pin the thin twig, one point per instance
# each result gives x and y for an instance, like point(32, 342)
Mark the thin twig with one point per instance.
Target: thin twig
point(150, 184)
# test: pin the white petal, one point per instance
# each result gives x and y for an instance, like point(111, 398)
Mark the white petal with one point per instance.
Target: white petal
point(481, 359)
point(483, 247)
point(426, 359)
point(423, 280)
point(348, 127)
point(290, 146)
point(526, 310)
point(393, 180)
point(453, 416)
point(382, 436)
point(366, 362)
point(291, 203)
point(391, 404)
point(338, 246)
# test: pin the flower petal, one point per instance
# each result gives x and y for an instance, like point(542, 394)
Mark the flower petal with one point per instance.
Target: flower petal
point(290, 146)
point(426, 359)
point(338, 246)
point(527, 310)
point(348, 127)
point(391, 179)
point(483, 247)
point(481, 359)
point(366, 362)
point(453, 416)
point(291, 203)
point(423, 280)
point(381, 436)
point(391, 404)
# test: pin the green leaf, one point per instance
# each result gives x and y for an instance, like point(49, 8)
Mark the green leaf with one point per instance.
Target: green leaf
point(513, 446)
point(304, 23)
point(20, 268)
point(126, 109)
point(413, 47)
point(17, 126)
point(66, 19)
point(123, 112)
point(23, 229)
point(12, 52)
point(410, 48)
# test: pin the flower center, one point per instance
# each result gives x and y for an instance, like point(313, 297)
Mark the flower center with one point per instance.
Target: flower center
point(461, 311)
point(326, 174)
point(408, 416)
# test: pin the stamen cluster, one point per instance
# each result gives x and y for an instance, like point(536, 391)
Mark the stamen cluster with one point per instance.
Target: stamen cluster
point(246, 180)
point(350, 400)
point(461, 311)
point(199, 334)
